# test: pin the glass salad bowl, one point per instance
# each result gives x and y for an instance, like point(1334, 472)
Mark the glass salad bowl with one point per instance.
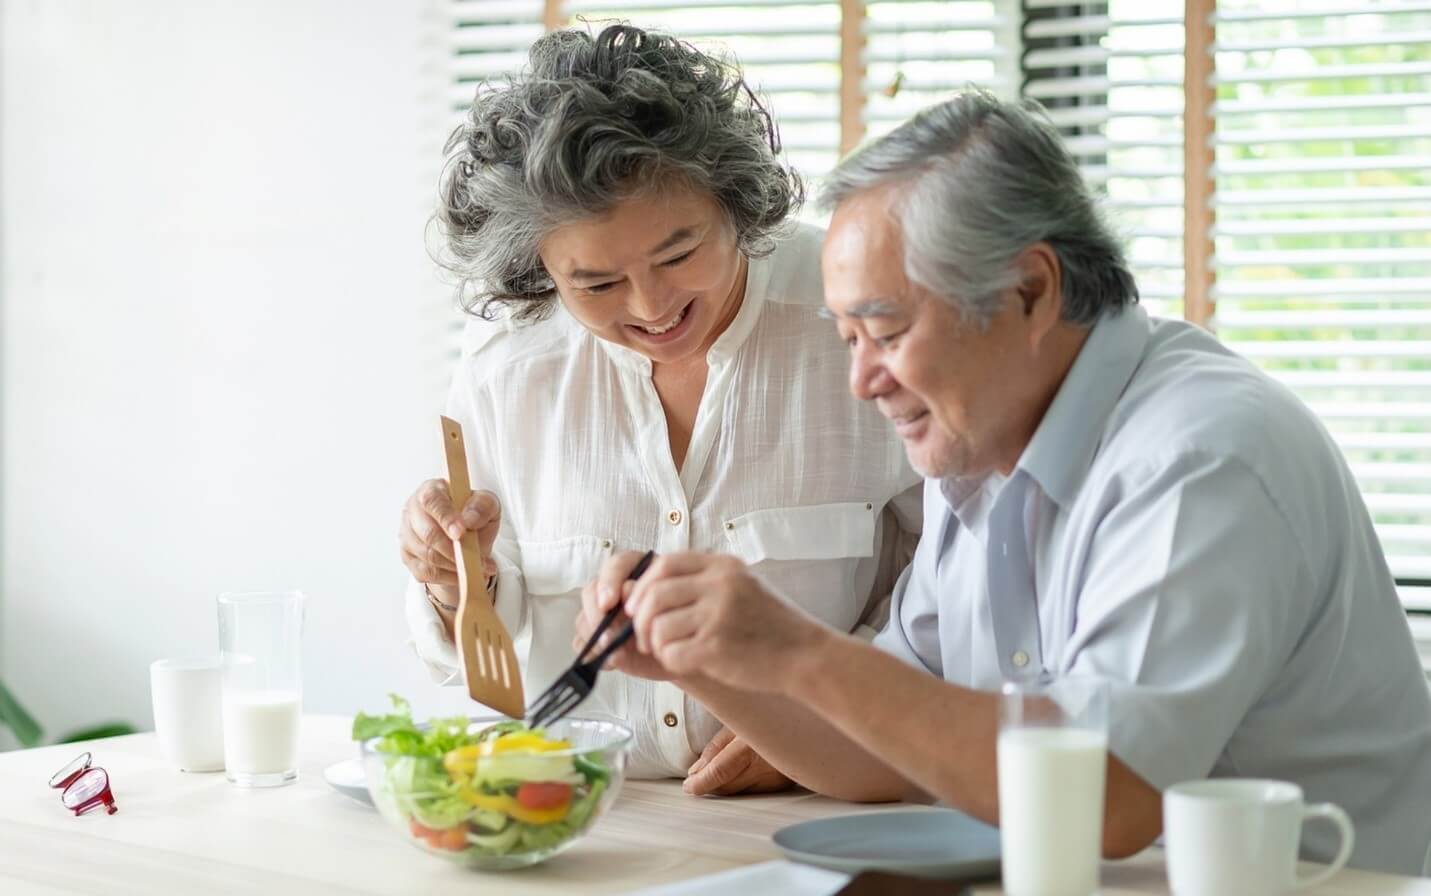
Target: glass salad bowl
point(490, 793)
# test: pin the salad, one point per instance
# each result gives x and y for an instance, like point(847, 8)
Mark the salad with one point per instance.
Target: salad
point(503, 790)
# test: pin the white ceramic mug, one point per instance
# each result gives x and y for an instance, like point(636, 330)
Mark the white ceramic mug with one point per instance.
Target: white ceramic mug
point(188, 712)
point(1239, 837)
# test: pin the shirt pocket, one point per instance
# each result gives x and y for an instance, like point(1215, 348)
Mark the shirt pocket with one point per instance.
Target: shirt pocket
point(564, 565)
point(816, 532)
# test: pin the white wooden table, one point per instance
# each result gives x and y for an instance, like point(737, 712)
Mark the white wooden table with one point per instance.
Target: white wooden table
point(194, 833)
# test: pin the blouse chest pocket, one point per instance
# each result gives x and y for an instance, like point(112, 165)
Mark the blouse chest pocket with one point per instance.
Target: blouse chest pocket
point(564, 565)
point(816, 532)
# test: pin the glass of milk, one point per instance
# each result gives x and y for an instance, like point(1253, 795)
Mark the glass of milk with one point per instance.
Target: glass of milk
point(1052, 755)
point(260, 636)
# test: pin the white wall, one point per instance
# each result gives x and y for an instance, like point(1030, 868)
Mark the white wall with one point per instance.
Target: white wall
point(222, 346)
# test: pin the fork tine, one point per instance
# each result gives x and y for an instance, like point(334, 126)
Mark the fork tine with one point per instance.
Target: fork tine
point(571, 700)
point(545, 712)
point(547, 694)
point(545, 703)
point(556, 696)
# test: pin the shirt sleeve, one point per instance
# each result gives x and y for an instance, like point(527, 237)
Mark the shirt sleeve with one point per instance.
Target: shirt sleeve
point(428, 636)
point(1195, 592)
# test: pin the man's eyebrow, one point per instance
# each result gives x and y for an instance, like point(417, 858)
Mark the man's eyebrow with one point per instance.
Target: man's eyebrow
point(678, 235)
point(865, 309)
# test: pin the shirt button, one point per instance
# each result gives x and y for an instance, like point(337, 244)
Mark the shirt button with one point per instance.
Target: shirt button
point(670, 720)
point(675, 517)
point(1020, 658)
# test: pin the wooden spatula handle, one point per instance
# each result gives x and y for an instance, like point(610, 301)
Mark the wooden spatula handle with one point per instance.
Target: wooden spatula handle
point(470, 569)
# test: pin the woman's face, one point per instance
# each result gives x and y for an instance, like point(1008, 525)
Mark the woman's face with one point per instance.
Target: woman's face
point(659, 273)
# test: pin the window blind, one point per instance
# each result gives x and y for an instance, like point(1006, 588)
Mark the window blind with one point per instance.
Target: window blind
point(917, 53)
point(489, 38)
point(1323, 234)
point(1111, 76)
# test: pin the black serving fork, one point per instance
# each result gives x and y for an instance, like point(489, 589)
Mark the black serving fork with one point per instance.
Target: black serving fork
point(576, 682)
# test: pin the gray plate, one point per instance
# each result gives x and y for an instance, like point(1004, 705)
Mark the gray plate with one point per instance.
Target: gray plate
point(937, 843)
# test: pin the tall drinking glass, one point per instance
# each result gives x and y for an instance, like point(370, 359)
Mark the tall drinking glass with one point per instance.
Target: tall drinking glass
point(260, 636)
point(1053, 756)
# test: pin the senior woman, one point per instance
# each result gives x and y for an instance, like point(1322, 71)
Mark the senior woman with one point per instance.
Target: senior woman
point(649, 372)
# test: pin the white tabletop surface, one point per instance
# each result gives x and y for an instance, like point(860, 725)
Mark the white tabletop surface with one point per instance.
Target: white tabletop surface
point(177, 832)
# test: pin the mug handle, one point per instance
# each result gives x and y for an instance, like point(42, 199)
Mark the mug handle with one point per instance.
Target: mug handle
point(1337, 816)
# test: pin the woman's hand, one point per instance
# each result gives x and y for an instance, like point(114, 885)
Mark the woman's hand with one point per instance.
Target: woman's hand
point(430, 524)
point(729, 766)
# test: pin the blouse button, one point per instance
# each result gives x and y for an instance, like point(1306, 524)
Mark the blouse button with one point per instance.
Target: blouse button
point(1020, 659)
point(869, 507)
point(675, 517)
point(730, 525)
point(670, 720)
point(606, 545)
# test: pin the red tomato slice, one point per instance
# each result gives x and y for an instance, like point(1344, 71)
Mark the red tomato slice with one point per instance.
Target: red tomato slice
point(543, 794)
point(454, 839)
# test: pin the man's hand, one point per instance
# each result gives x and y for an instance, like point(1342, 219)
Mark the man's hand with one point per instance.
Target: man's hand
point(705, 615)
point(608, 590)
point(729, 766)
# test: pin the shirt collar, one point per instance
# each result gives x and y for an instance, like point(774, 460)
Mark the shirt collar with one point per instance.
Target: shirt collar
point(971, 499)
point(1061, 451)
point(757, 279)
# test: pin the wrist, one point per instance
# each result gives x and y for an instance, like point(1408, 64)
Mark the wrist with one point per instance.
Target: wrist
point(439, 599)
point(436, 600)
point(806, 663)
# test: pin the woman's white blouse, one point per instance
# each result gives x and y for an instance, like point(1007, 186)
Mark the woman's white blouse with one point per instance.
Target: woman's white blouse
point(785, 470)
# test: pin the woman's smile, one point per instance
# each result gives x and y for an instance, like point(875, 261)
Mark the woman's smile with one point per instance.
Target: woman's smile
point(667, 331)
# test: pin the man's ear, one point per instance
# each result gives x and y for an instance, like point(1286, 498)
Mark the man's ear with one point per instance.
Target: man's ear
point(1040, 290)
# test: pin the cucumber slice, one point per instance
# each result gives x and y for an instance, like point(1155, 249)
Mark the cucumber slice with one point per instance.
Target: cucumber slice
point(489, 820)
point(497, 844)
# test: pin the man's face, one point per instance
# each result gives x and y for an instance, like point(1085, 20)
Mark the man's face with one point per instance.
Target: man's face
point(951, 388)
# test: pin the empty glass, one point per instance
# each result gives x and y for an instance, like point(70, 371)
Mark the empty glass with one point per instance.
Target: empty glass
point(260, 637)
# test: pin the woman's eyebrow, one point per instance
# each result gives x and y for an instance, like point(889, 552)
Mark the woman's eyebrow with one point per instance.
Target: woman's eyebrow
point(680, 234)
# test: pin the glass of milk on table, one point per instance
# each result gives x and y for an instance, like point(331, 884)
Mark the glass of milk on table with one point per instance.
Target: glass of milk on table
point(1052, 760)
point(260, 636)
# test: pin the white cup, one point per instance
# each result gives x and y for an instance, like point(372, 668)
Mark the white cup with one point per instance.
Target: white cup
point(1239, 837)
point(188, 712)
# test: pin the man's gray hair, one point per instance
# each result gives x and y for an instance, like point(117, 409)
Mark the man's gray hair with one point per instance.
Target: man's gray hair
point(980, 180)
point(590, 122)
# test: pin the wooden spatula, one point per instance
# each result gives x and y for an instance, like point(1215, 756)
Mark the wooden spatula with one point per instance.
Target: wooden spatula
point(489, 664)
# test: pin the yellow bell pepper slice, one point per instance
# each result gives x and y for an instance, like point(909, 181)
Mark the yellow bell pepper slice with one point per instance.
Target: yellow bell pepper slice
point(500, 802)
point(461, 762)
point(521, 742)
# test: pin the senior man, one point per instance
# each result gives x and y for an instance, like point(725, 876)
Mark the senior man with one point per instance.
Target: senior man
point(1107, 495)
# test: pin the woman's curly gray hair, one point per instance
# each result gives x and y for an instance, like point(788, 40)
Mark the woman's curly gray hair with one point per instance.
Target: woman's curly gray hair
point(589, 122)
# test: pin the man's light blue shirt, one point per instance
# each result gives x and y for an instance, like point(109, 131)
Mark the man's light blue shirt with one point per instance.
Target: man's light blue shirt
point(1184, 528)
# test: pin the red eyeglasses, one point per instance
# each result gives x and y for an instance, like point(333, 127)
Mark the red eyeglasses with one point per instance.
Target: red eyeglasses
point(84, 786)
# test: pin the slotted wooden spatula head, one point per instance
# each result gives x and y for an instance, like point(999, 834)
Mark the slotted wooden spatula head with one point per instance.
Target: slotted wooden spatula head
point(489, 664)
